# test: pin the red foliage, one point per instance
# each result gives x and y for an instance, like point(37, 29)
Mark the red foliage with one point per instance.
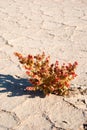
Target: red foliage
point(49, 78)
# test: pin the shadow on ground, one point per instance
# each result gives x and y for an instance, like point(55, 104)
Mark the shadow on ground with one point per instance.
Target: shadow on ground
point(16, 86)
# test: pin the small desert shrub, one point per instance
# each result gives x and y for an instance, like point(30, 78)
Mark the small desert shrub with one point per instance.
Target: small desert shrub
point(49, 78)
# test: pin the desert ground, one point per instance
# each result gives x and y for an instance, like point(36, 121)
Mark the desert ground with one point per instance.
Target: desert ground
point(59, 28)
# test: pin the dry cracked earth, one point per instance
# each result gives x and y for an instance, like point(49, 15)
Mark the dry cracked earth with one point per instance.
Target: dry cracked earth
point(58, 27)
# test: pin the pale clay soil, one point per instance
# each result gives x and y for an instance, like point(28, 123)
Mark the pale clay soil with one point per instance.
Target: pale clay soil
point(59, 28)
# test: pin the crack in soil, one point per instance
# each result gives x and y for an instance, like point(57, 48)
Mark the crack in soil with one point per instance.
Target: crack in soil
point(51, 122)
point(13, 115)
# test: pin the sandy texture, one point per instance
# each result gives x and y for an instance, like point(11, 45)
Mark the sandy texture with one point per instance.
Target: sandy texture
point(58, 27)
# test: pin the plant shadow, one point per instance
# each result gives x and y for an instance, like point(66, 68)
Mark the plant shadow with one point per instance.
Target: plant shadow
point(16, 86)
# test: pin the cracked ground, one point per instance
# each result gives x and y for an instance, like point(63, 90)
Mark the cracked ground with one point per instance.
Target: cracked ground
point(58, 27)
